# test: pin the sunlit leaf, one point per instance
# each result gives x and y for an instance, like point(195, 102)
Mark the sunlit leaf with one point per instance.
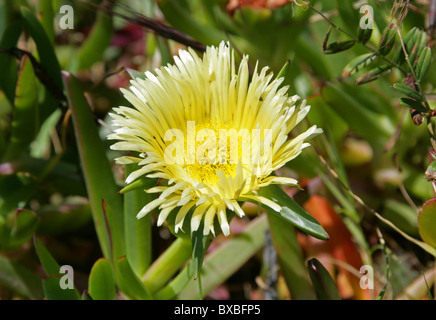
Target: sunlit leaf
point(101, 281)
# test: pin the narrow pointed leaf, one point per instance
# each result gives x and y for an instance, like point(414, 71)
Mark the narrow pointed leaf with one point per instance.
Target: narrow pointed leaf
point(339, 46)
point(325, 287)
point(98, 175)
point(24, 124)
point(96, 43)
point(411, 103)
point(292, 212)
point(138, 231)
point(387, 40)
point(52, 277)
point(46, 51)
point(408, 91)
point(423, 63)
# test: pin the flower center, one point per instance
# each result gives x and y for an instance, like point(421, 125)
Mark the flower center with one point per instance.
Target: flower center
point(211, 152)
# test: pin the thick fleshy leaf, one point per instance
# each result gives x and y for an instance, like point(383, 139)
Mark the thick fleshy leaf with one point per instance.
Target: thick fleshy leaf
point(128, 282)
point(292, 212)
point(96, 43)
point(52, 275)
point(168, 263)
point(427, 222)
point(46, 14)
point(96, 169)
point(325, 287)
point(46, 52)
point(24, 124)
point(102, 281)
point(138, 231)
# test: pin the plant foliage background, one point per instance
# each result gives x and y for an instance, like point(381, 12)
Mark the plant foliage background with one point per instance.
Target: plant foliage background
point(365, 180)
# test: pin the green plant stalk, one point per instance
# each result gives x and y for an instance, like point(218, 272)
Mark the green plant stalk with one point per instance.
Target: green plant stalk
point(167, 265)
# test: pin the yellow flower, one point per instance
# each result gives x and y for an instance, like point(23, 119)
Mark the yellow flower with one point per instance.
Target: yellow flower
point(212, 133)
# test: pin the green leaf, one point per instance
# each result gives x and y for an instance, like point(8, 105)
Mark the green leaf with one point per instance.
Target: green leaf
point(49, 264)
point(180, 18)
point(430, 296)
point(168, 263)
point(339, 46)
point(96, 43)
point(408, 41)
point(8, 63)
point(136, 74)
point(284, 70)
point(52, 275)
point(290, 258)
point(115, 233)
point(24, 124)
point(140, 184)
point(102, 281)
point(199, 248)
point(364, 34)
point(411, 93)
point(411, 103)
point(427, 222)
point(418, 46)
point(98, 175)
point(292, 212)
point(20, 279)
point(46, 51)
point(374, 74)
point(423, 63)
point(138, 231)
point(387, 40)
point(46, 14)
point(221, 263)
point(25, 225)
point(357, 64)
point(53, 291)
point(128, 282)
point(325, 287)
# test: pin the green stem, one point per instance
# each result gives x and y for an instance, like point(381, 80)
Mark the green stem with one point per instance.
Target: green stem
point(167, 265)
